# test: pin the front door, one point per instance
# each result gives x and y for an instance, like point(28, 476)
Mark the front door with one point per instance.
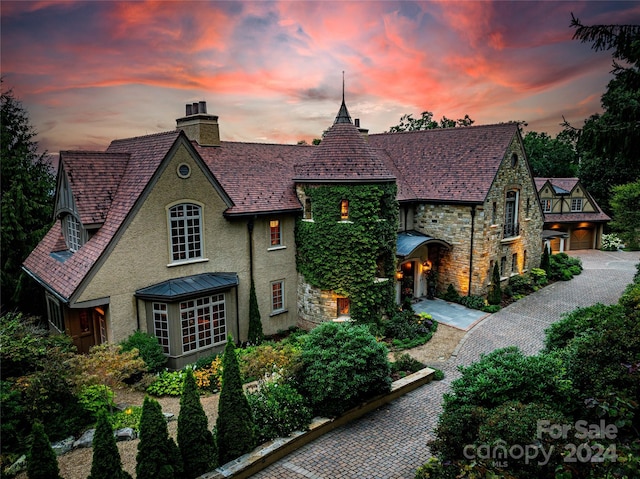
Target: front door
point(407, 285)
point(82, 329)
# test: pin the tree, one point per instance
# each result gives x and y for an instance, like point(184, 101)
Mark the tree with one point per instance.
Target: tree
point(625, 205)
point(235, 429)
point(106, 462)
point(426, 122)
point(42, 462)
point(609, 143)
point(545, 262)
point(550, 157)
point(196, 442)
point(255, 322)
point(156, 458)
point(495, 293)
point(27, 203)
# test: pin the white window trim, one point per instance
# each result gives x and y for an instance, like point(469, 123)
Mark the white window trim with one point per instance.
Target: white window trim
point(546, 202)
point(579, 202)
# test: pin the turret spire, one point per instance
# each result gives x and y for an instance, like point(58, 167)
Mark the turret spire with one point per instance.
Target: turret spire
point(343, 114)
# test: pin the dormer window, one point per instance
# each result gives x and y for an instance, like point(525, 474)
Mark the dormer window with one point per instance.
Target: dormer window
point(344, 210)
point(72, 231)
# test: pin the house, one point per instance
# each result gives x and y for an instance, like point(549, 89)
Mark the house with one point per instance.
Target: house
point(572, 218)
point(165, 233)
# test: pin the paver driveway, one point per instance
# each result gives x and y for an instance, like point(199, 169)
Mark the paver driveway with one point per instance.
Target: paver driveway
point(391, 442)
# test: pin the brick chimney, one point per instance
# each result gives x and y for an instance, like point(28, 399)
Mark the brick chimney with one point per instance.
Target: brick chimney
point(200, 126)
point(363, 131)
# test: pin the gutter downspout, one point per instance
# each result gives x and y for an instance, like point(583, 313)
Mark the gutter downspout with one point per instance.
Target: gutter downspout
point(473, 215)
point(250, 230)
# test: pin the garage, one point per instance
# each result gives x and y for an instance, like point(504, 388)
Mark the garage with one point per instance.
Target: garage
point(582, 238)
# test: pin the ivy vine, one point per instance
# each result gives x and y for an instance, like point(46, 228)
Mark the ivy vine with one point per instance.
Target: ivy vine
point(348, 256)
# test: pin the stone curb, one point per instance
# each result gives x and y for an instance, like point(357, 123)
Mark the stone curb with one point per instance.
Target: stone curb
point(268, 453)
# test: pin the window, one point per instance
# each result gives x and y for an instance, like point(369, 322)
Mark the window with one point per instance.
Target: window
point(56, 317)
point(343, 306)
point(275, 233)
point(576, 205)
point(528, 209)
point(511, 214)
point(186, 232)
point(73, 229)
point(546, 206)
point(494, 211)
point(503, 266)
point(307, 209)
point(524, 260)
point(277, 296)
point(161, 325)
point(184, 171)
point(344, 210)
point(514, 263)
point(514, 160)
point(203, 322)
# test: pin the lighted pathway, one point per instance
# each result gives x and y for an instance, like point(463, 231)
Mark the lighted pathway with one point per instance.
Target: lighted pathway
point(391, 442)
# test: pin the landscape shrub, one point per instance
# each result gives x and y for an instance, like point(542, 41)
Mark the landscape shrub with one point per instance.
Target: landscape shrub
point(106, 462)
point(130, 417)
point(451, 294)
point(95, 398)
point(108, 364)
point(167, 383)
point(255, 336)
point(195, 440)
point(257, 361)
point(630, 300)
point(473, 302)
point(149, 349)
point(235, 429)
point(42, 462)
point(545, 261)
point(278, 410)
point(521, 284)
point(405, 362)
point(342, 365)
point(495, 291)
point(610, 242)
point(406, 329)
point(158, 456)
point(14, 426)
point(209, 377)
point(491, 308)
point(563, 267)
point(539, 277)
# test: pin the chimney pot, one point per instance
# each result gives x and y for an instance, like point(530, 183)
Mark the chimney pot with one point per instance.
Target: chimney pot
point(189, 109)
point(195, 108)
point(202, 107)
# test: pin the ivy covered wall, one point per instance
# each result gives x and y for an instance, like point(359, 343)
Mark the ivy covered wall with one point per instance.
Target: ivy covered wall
point(348, 257)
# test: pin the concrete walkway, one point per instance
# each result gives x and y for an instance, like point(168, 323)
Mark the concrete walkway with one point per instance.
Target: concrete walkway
point(390, 443)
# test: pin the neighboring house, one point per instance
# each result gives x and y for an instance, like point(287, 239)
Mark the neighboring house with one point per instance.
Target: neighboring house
point(165, 232)
point(572, 218)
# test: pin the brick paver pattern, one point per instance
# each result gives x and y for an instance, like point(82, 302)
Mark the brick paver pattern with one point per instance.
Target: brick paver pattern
point(391, 442)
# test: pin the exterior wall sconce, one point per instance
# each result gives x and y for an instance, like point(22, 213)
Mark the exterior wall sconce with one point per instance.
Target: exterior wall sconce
point(427, 265)
point(399, 275)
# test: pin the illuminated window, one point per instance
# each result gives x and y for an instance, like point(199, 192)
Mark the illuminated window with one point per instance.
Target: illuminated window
point(546, 205)
point(186, 231)
point(203, 322)
point(275, 233)
point(576, 205)
point(343, 306)
point(161, 325)
point(277, 296)
point(344, 210)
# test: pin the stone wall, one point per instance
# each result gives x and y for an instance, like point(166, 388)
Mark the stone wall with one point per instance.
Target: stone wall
point(314, 305)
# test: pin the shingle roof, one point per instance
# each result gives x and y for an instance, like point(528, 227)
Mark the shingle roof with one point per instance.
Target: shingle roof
point(345, 156)
point(94, 177)
point(446, 164)
point(568, 184)
point(188, 286)
point(146, 154)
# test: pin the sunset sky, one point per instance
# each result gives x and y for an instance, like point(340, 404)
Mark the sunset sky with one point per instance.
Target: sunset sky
point(90, 72)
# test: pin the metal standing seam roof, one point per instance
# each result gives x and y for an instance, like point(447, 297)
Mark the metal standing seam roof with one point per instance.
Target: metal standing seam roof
point(188, 286)
point(408, 241)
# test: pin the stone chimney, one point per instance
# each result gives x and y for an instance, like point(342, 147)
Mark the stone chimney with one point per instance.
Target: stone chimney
point(363, 131)
point(200, 126)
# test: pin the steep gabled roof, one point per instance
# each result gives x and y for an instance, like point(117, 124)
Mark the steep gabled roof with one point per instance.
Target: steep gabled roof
point(446, 164)
point(559, 185)
point(63, 278)
point(257, 177)
point(93, 177)
point(566, 186)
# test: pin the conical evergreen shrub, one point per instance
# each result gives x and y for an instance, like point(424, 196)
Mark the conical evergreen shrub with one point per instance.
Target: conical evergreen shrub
point(195, 440)
point(106, 463)
point(235, 428)
point(545, 262)
point(255, 335)
point(42, 462)
point(157, 458)
point(495, 293)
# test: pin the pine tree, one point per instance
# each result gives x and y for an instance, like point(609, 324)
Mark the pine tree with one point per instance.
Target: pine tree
point(106, 463)
point(255, 322)
point(235, 428)
point(495, 294)
point(42, 462)
point(545, 263)
point(156, 456)
point(197, 446)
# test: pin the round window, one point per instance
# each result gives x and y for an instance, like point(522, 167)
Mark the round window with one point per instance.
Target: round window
point(184, 171)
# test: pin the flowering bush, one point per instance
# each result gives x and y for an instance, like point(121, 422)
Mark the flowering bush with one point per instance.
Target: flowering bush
point(130, 417)
point(257, 361)
point(209, 378)
point(611, 242)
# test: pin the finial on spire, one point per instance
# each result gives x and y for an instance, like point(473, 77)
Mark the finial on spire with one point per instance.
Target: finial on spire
point(343, 114)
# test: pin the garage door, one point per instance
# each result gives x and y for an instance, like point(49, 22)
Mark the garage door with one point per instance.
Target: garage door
point(582, 238)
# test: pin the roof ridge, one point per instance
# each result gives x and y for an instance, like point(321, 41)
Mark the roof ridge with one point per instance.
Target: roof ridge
point(452, 128)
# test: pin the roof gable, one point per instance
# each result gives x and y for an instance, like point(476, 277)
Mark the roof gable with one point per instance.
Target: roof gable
point(446, 164)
